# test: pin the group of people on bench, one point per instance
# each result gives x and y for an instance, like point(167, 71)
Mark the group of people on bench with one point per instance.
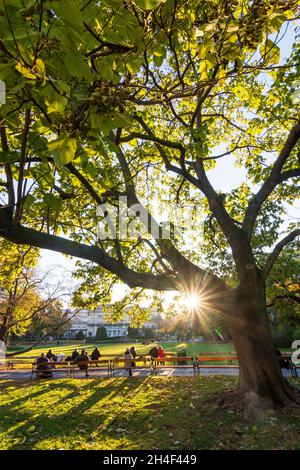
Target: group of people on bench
point(45, 361)
point(156, 354)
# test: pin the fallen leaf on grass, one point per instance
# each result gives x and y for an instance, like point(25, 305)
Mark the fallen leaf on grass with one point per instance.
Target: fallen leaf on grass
point(119, 430)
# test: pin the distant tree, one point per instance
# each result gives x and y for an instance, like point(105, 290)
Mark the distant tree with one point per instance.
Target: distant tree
point(80, 335)
point(101, 332)
point(148, 333)
point(51, 321)
point(24, 301)
point(132, 332)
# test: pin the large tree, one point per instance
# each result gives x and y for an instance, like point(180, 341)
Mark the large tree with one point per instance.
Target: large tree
point(143, 99)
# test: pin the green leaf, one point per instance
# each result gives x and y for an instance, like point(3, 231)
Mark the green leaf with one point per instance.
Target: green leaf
point(158, 60)
point(149, 4)
point(69, 13)
point(9, 157)
point(133, 63)
point(105, 68)
point(58, 106)
point(270, 52)
point(53, 202)
point(63, 150)
point(76, 65)
point(5, 70)
point(108, 121)
point(203, 70)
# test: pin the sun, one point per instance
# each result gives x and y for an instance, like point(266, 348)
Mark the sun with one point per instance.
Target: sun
point(192, 301)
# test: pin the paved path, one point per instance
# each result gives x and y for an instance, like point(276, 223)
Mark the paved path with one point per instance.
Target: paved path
point(168, 372)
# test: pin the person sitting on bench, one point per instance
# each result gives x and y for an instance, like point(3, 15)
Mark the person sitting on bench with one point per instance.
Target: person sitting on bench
point(161, 355)
point(60, 357)
point(51, 356)
point(153, 353)
point(81, 360)
point(286, 363)
point(95, 354)
point(73, 356)
point(43, 367)
point(132, 352)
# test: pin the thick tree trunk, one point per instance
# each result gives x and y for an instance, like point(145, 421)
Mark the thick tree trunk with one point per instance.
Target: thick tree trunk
point(260, 372)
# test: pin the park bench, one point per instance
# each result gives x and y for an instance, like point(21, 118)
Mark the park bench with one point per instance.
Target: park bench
point(53, 367)
point(141, 362)
point(285, 362)
point(173, 362)
point(201, 360)
point(13, 362)
point(99, 364)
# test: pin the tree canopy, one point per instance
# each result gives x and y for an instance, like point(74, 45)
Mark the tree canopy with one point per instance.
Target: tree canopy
point(141, 100)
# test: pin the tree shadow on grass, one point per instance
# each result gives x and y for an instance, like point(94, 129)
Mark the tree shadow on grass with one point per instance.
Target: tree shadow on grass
point(119, 413)
point(61, 417)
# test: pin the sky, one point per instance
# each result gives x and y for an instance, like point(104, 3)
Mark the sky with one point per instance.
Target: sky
point(224, 177)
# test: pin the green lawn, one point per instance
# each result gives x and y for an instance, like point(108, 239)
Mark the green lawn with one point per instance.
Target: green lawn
point(123, 413)
point(119, 348)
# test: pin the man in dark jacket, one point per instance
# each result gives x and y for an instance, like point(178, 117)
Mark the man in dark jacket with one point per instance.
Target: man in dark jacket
point(153, 353)
point(43, 367)
point(95, 354)
point(75, 354)
point(82, 360)
point(51, 356)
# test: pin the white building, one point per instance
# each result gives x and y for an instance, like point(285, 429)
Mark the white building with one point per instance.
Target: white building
point(88, 321)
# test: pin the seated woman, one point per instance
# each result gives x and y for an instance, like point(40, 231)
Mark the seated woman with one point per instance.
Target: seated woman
point(82, 360)
point(161, 355)
point(43, 367)
point(128, 362)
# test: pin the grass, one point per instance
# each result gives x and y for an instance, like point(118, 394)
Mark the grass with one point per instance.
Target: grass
point(119, 348)
point(122, 413)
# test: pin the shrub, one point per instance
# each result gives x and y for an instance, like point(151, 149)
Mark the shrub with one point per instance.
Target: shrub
point(101, 332)
point(80, 335)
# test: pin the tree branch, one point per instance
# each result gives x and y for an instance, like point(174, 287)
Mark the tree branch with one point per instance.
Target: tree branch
point(25, 132)
point(293, 297)
point(277, 250)
point(8, 172)
point(27, 236)
point(272, 181)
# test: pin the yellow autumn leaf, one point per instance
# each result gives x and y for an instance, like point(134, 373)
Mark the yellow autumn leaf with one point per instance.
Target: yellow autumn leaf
point(25, 71)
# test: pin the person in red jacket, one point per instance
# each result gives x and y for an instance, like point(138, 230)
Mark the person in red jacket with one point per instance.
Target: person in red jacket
point(161, 355)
